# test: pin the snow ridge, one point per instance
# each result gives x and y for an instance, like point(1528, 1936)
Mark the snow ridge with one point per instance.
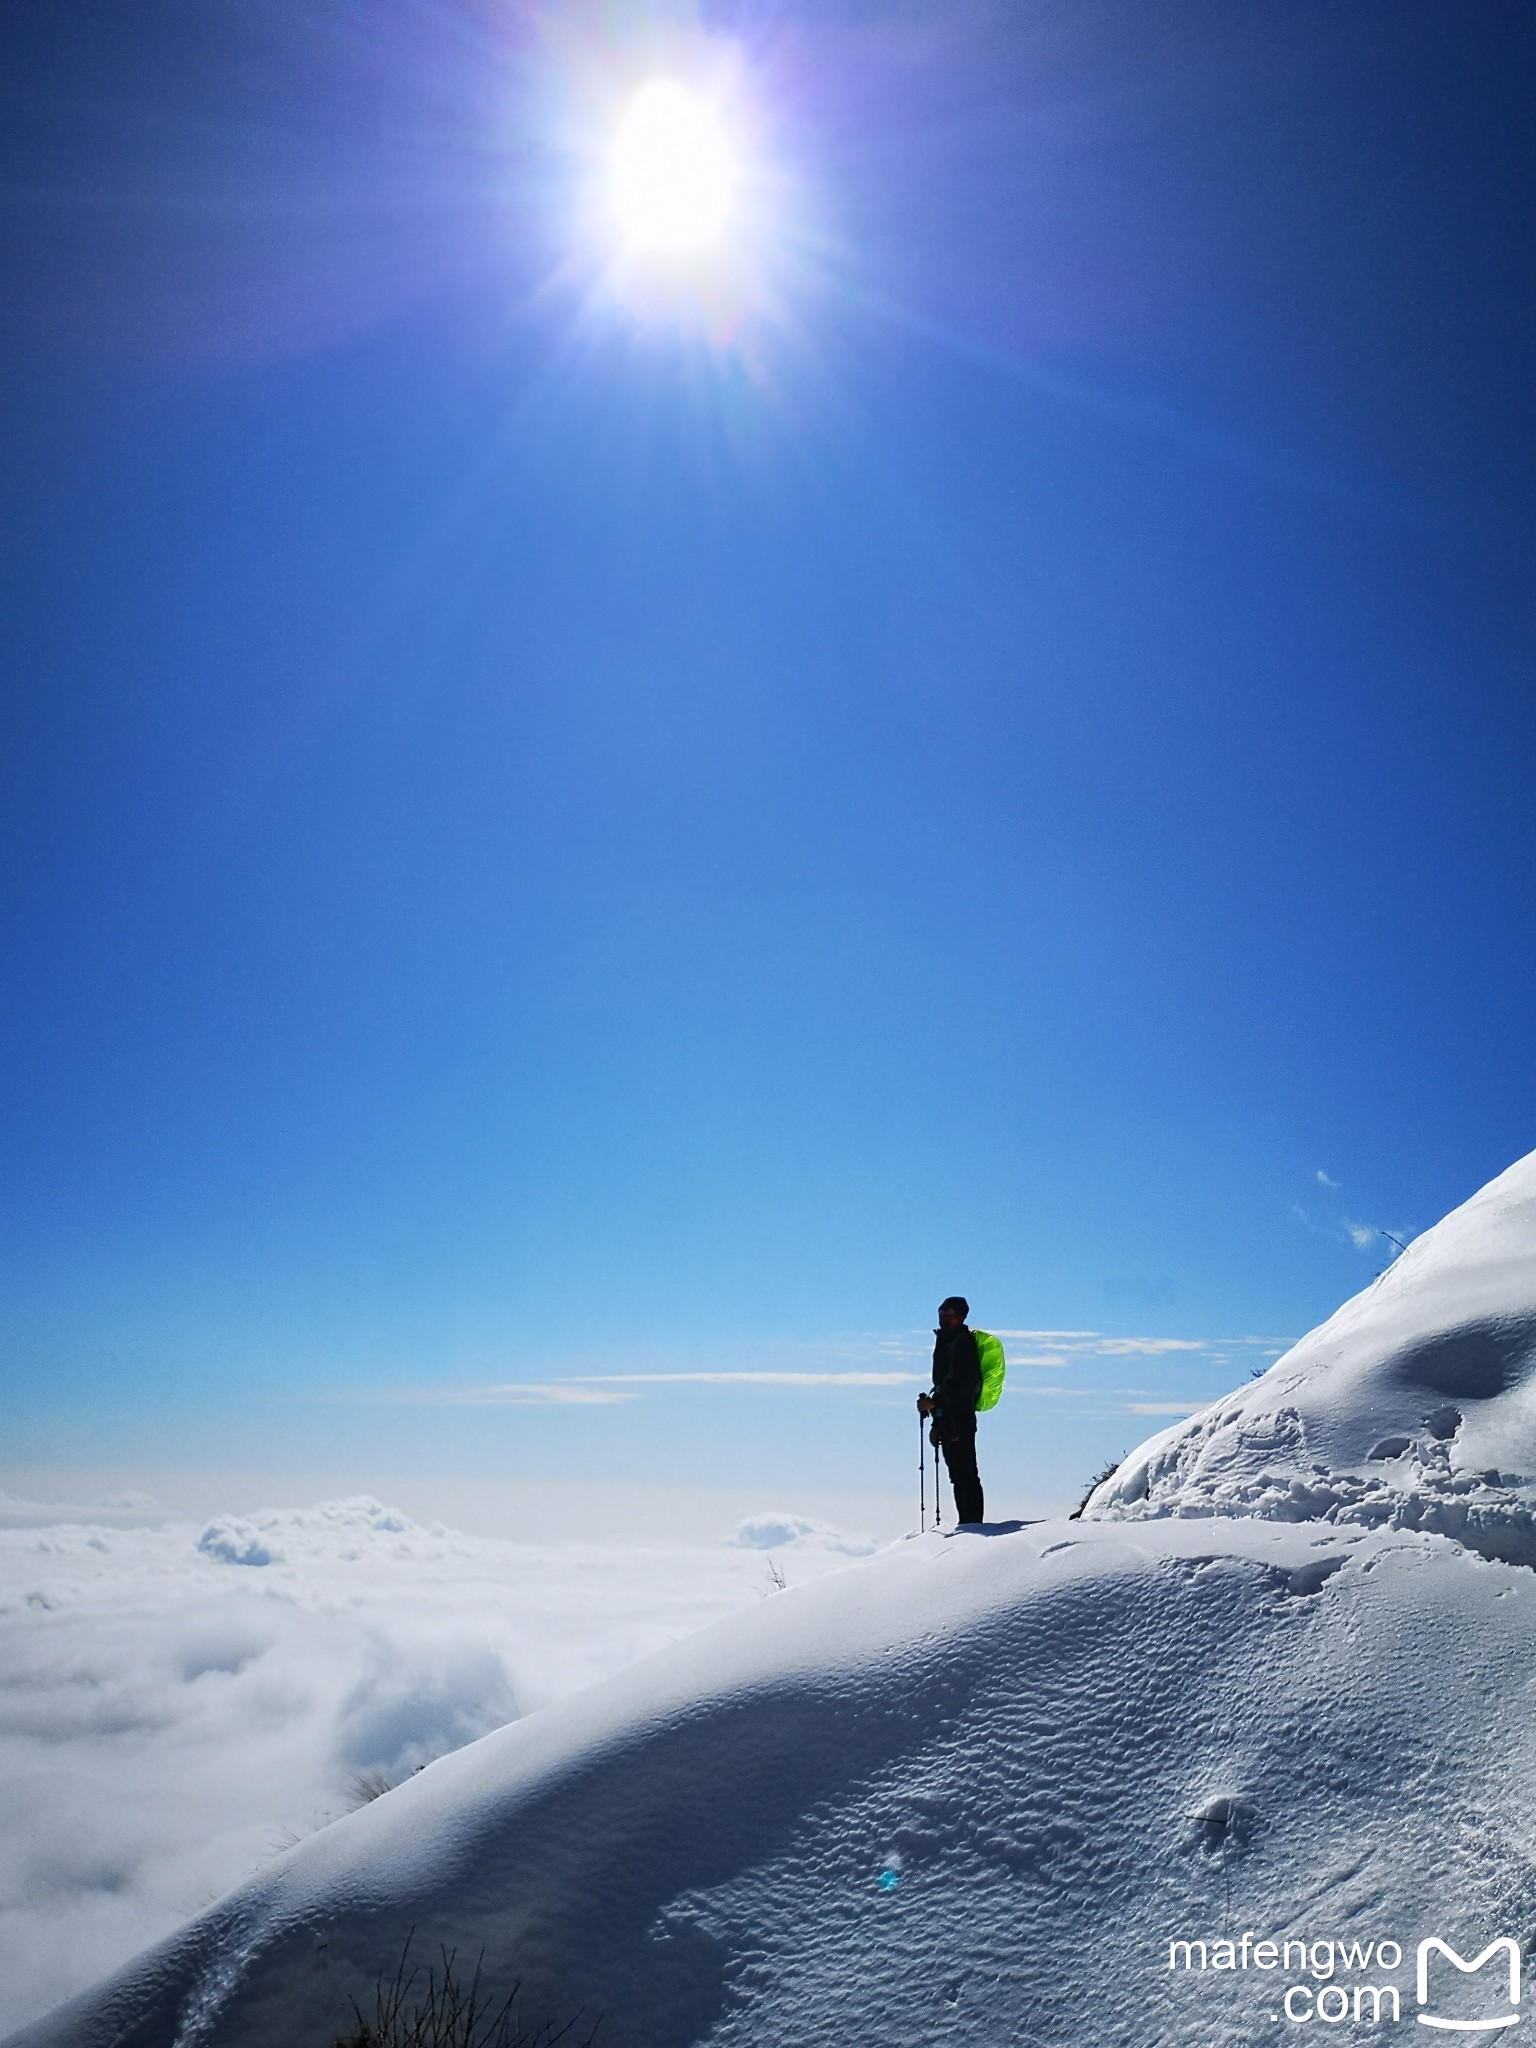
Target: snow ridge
point(1413, 1407)
point(1224, 1464)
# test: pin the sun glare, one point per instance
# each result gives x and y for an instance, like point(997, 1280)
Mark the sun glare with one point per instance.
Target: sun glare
point(672, 173)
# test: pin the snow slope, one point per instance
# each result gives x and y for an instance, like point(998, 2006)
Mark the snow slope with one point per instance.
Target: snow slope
point(970, 1790)
point(1413, 1407)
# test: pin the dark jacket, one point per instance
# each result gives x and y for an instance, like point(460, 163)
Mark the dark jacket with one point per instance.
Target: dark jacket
point(956, 1381)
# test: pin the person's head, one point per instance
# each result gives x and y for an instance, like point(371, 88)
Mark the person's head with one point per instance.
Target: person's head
point(953, 1312)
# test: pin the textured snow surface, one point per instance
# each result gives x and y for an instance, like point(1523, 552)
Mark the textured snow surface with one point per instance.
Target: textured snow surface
point(970, 1789)
point(1413, 1407)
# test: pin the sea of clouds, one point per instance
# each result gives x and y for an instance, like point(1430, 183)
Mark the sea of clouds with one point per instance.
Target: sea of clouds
point(180, 1700)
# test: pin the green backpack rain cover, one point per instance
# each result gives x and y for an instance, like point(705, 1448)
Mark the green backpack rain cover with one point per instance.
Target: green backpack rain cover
point(990, 1352)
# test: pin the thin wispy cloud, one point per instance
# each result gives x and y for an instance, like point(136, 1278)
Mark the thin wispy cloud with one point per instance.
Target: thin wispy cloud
point(1350, 1229)
point(1162, 1407)
point(601, 1390)
point(751, 1379)
point(1052, 1351)
point(515, 1393)
point(1145, 1347)
point(1045, 1336)
point(591, 1390)
point(1067, 1347)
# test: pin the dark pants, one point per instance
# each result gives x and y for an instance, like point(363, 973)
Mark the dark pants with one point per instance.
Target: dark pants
point(960, 1459)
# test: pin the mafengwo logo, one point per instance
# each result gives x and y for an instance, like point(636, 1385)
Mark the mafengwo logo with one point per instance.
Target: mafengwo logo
point(1503, 1946)
point(1335, 1981)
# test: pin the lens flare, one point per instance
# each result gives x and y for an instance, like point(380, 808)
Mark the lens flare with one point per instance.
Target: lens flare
point(672, 173)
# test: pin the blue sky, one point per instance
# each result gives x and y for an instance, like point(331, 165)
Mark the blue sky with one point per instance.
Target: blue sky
point(546, 839)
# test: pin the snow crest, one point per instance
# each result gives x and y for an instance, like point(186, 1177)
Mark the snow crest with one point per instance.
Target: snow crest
point(1414, 1407)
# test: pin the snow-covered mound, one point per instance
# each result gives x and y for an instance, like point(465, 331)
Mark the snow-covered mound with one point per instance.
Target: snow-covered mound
point(1413, 1407)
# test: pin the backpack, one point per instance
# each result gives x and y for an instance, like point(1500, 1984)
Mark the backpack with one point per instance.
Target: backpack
point(989, 1352)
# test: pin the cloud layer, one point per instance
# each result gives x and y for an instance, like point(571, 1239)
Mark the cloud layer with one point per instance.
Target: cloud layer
point(180, 1700)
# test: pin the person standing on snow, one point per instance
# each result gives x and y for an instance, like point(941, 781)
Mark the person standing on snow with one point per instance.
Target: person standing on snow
point(952, 1404)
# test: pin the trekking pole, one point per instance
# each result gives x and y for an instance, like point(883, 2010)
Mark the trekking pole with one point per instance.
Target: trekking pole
point(938, 1512)
point(922, 1475)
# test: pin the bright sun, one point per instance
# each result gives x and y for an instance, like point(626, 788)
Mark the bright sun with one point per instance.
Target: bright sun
point(672, 174)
